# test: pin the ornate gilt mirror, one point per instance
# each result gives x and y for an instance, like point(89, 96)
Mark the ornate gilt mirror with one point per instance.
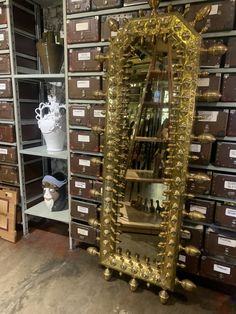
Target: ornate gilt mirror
point(152, 79)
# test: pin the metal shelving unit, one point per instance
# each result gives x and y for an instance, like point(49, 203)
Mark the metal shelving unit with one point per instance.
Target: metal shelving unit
point(42, 151)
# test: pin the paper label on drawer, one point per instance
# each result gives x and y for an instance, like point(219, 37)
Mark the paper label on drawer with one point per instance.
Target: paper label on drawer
point(82, 209)
point(82, 26)
point(232, 153)
point(2, 86)
point(83, 56)
point(226, 242)
point(3, 151)
point(195, 148)
point(203, 82)
point(214, 9)
point(200, 209)
point(81, 185)
point(222, 269)
point(78, 113)
point(83, 84)
point(99, 113)
point(83, 162)
point(75, 0)
point(84, 138)
point(1, 37)
point(182, 258)
point(82, 232)
point(113, 34)
point(230, 185)
point(230, 212)
point(208, 116)
point(0, 10)
point(186, 236)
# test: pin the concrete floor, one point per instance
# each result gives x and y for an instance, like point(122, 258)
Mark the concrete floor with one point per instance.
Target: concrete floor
point(40, 275)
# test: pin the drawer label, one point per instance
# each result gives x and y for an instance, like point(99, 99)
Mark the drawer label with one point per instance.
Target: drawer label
point(84, 162)
point(214, 9)
point(2, 37)
point(82, 209)
point(113, 34)
point(186, 236)
point(232, 153)
point(83, 56)
point(82, 232)
point(200, 209)
point(99, 113)
point(83, 138)
point(2, 86)
point(196, 148)
point(0, 10)
point(78, 113)
point(226, 242)
point(203, 81)
point(81, 185)
point(83, 84)
point(3, 151)
point(182, 258)
point(230, 185)
point(230, 212)
point(222, 269)
point(208, 116)
point(82, 26)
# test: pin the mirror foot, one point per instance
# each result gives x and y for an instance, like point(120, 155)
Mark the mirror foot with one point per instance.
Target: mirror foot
point(164, 296)
point(107, 274)
point(133, 285)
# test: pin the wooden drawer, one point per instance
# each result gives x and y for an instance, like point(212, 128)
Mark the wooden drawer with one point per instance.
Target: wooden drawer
point(104, 4)
point(83, 30)
point(3, 14)
point(79, 115)
point(97, 116)
point(225, 215)
point(204, 207)
point(8, 154)
point(83, 87)
point(84, 140)
point(81, 164)
point(84, 60)
point(83, 210)
point(7, 133)
point(195, 187)
point(6, 111)
point(9, 174)
point(4, 44)
point(192, 263)
point(74, 6)
point(203, 151)
point(5, 88)
point(226, 155)
point(83, 233)
point(5, 66)
point(231, 127)
point(207, 60)
point(195, 237)
point(224, 185)
point(81, 187)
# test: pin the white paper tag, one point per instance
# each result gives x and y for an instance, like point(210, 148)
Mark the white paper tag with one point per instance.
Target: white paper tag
point(82, 26)
point(230, 212)
point(2, 37)
point(83, 56)
point(232, 153)
point(113, 34)
point(203, 82)
point(99, 113)
point(0, 10)
point(195, 148)
point(222, 269)
point(214, 9)
point(230, 185)
point(78, 113)
point(82, 209)
point(208, 116)
point(84, 138)
point(83, 84)
point(200, 209)
point(82, 232)
point(182, 258)
point(2, 86)
point(84, 162)
point(81, 185)
point(226, 242)
point(3, 151)
point(186, 236)
point(75, 1)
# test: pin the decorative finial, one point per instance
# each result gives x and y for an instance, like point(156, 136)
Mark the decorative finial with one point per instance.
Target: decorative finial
point(154, 4)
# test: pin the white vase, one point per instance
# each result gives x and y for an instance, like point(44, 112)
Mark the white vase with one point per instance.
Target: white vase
point(52, 123)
